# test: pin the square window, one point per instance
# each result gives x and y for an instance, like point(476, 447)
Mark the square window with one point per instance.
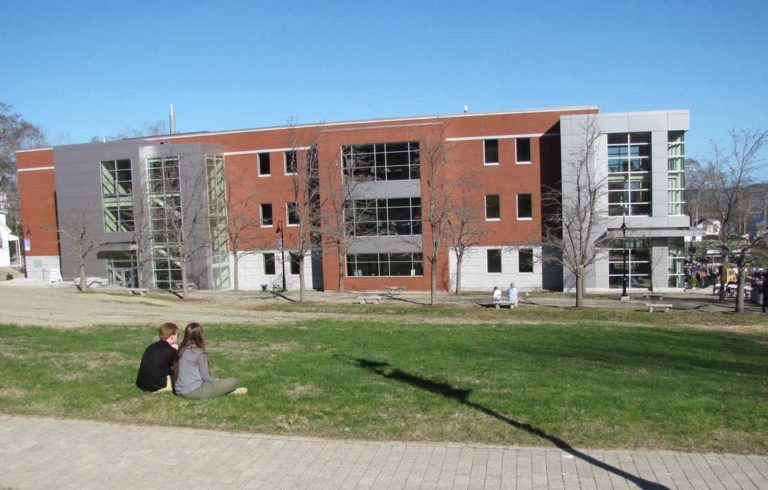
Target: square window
point(295, 264)
point(524, 206)
point(523, 150)
point(492, 207)
point(269, 264)
point(266, 215)
point(264, 169)
point(491, 153)
point(292, 212)
point(493, 260)
point(525, 260)
point(291, 167)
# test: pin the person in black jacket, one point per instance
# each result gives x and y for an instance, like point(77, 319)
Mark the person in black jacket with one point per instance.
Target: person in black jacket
point(157, 362)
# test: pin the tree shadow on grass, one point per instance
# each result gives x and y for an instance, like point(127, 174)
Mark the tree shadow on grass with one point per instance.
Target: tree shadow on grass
point(384, 370)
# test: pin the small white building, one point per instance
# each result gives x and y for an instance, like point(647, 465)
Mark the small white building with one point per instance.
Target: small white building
point(7, 240)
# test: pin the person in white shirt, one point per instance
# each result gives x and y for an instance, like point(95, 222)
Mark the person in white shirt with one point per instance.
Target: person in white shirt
point(512, 295)
point(496, 294)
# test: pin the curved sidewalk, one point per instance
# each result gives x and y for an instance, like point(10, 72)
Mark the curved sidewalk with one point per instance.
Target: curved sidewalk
point(51, 453)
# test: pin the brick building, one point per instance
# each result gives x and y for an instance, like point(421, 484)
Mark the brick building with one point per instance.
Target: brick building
point(237, 189)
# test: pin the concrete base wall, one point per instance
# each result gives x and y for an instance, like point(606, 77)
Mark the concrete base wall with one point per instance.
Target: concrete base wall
point(474, 275)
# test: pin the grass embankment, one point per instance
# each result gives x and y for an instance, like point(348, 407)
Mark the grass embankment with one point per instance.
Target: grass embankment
point(587, 385)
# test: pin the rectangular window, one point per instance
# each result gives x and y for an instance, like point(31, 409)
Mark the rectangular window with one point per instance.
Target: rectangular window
point(165, 220)
point(629, 174)
point(264, 169)
point(266, 215)
point(638, 263)
point(295, 264)
point(269, 264)
point(385, 264)
point(493, 260)
point(117, 195)
point(382, 161)
point(676, 255)
point(676, 169)
point(491, 152)
point(292, 214)
point(523, 150)
point(525, 260)
point(384, 217)
point(524, 206)
point(492, 207)
point(291, 164)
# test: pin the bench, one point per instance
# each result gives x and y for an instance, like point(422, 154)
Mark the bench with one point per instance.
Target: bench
point(139, 291)
point(498, 304)
point(369, 299)
point(392, 290)
point(657, 306)
point(657, 296)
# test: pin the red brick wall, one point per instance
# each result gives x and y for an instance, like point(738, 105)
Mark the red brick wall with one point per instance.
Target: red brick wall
point(37, 195)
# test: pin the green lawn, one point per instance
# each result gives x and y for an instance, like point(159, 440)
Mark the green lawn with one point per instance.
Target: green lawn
point(602, 384)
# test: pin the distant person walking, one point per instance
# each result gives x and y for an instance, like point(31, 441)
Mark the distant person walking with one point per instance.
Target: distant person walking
point(193, 378)
point(157, 362)
point(512, 295)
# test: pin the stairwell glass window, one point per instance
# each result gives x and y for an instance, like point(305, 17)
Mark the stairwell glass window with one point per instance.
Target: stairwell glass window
point(117, 195)
point(491, 152)
point(523, 150)
point(629, 174)
point(676, 171)
point(492, 207)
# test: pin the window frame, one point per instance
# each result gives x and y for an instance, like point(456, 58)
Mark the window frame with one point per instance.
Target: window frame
point(274, 263)
point(485, 153)
point(258, 164)
point(498, 197)
point(530, 152)
point(261, 215)
point(295, 162)
point(517, 210)
point(488, 261)
point(288, 214)
point(520, 261)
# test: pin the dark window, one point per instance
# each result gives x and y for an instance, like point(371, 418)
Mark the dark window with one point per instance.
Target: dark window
point(290, 163)
point(266, 215)
point(524, 206)
point(293, 213)
point(269, 264)
point(295, 264)
point(491, 151)
point(263, 163)
point(523, 147)
point(526, 260)
point(493, 260)
point(492, 207)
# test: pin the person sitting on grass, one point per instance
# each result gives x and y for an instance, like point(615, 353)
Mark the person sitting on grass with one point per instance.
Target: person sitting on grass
point(192, 377)
point(157, 362)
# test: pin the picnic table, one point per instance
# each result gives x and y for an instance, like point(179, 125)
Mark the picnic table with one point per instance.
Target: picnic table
point(393, 290)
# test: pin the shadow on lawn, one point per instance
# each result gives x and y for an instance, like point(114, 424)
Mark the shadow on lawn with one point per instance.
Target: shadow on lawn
point(461, 395)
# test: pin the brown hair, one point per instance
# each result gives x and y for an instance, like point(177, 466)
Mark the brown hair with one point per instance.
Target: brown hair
point(168, 329)
point(193, 337)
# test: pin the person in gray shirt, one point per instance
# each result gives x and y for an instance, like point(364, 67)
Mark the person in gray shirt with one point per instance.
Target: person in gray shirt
point(193, 378)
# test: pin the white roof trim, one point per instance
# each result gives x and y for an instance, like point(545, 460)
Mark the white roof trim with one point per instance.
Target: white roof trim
point(34, 149)
point(496, 137)
point(34, 169)
point(264, 150)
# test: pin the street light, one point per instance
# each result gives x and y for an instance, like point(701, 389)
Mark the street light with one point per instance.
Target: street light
point(281, 241)
point(624, 256)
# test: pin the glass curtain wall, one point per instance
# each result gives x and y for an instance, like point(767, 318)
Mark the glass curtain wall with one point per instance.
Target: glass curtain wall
point(165, 221)
point(117, 195)
point(385, 264)
point(629, 174)
point(676, 254)
point(382, 162)
point(676, 169)
point(122, 269)
point(219, 227)
point(638, 263)
point(384, 217)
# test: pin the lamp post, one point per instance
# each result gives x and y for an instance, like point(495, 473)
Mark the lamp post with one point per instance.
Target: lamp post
point(624, 257)
point(281, 241)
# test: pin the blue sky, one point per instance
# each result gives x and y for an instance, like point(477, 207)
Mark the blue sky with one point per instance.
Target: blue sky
point(80, 69)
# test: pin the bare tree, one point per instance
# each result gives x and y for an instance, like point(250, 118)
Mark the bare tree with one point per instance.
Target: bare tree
point(574, 233)
point(433, 152)
point(337, 221)
point(304, 210)
point(77, 234)
point(465, 224)
point(243, 222)
point(731, 170)
point(15, 134)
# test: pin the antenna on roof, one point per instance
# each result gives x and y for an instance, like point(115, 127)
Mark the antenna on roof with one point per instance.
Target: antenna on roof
point(172, 120)
point(466, 109)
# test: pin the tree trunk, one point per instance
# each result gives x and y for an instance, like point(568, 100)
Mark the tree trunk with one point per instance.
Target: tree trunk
point(340, 253)
point(184, 285)
point(432, 283)
point(579, 289)
point(458, 274)
point(740, 280)
point(235, 275)
point(83, 279)
point(722, 278)
point(302, 284)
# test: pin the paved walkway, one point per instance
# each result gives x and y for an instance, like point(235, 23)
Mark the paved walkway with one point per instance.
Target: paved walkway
point(50, 453)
